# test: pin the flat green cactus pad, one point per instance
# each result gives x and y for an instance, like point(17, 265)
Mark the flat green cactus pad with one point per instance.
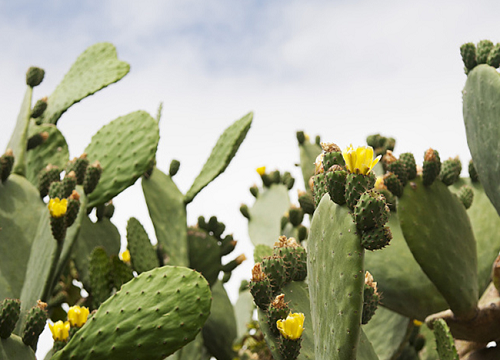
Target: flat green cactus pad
point(195, 350)
point(20, 211)
point(151, 317)
point(439, 234)
point(126, 148)
point(404, 286)
point(308, 154)
point(243, 310)
point(13, 348)
point(204, 254)
point(481, 96)
point(366, 351)
point(168, 212)
point(336, 277)
point(261, 251)
point(444, 341)
point(53, 151)
point(486, 226)
point(19, 137)
point(219, 331)
point(96, 68)
point(387, 331)
point(102, 233)
point(222, 154)
point(264, 226)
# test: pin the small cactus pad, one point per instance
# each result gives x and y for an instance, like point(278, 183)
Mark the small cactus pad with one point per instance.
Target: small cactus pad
point(168, 213)
point(371, 210)
point(450, 171)
point(481, 96)
point(483, 51)
point(411, 166)
point(142, 253)
point(96, 68)
point(53, 151)
point(100, 276)
point(468, 52)
point(204, 254)
point(222, 154)
point(35, 323)
point(466, 195)
point(151, 317)
point(444, 341)
point(356, 184)
point(125, 147)
point(376, 238)
point(13, 348)
point(336, 280)
point(439, 234)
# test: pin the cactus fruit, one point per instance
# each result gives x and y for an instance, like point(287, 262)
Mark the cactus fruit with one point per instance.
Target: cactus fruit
point(39, 108)
point(35, 323)
point(9, 314)
point(274, 268)
point(399, 169)
point(278, 309)
point(47, 176)
point(142, 253)
point(472, 172)
point(245, 211)
point(254, 190)
point(332, 155)
point(68, 184)
point(260, 287)
point(393, 184)
point(92, 176)
point(356, 184)
point(34, 76)
point(301, 137)
point(483, 51)
point(37, 139)
point(468, 52)
point(376, 238)
point(494, 56)
point(302, 233)
point(73, 208)
point(466, 195)
point(411, 167)
point(431, 167)
point(79, 166)
point(370, 211)
point(450, 171)
point(174, 167)
point(371, 298)
point(306, 202)
point(58, 209)
point(6, 164)
point(99, 276)
point(294, 258)
point(320, 187)
point(296, 215)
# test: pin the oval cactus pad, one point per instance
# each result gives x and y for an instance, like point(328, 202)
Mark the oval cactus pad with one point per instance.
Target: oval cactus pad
point(150, 318)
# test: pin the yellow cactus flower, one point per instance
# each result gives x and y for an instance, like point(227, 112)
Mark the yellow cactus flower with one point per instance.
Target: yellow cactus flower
point(125, 256)
point(77, 315)
point(417, 322)
point(57, 207)
point(60, 330)
point(360, 160)
point(261, 170)
point(292, 327)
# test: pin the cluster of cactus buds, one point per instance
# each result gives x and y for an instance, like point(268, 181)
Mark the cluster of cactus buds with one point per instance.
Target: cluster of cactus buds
point(275, 177)
point(484, 53)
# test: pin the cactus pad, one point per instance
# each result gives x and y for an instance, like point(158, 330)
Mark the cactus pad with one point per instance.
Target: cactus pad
point(96, 68)
point(13, 348)
point(19, 137)
point(142, 253)
point(151, 317)
point(444, 341)
point(125, 147)
point(222, 154)
point(204, 254)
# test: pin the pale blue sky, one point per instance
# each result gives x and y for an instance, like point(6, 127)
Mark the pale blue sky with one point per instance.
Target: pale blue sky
point(342, 69)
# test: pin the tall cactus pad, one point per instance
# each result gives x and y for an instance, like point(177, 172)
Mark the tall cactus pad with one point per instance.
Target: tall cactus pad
point(265, 215)
point(142, 253)
point(222, 154)
point(336, 280)
point(439, 234)
point(95, 68)
point(53, 151)
point(308, 154)
point(168, 213)
point(13, 348)
point(444, 341)
point(125, 148)
point(20, 211)
point(151, 317)
point(481, 96)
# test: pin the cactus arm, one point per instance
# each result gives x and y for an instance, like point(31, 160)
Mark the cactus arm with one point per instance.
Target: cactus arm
point(53, 151)
point(486, 225)
point(125, 148)
point(222, 320)
point(388, 332)
point(96, 68)
point(481, 95)
point(20, 212)
point(13, 348)
point(19, 137)
point(308, 153)
point(264, 226)
point(439, 234)
point(335, 270)
point(222, 154)
point(154, 314)
point(405, 287)
point(168, 213)
point(444, 341)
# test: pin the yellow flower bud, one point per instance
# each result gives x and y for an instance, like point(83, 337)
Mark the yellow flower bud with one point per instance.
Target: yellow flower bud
point(77, 315)
point(292, 327)
point(359, 160)
point(57, 207)
point(60, 330)
point(261, 170)
point(125, 256)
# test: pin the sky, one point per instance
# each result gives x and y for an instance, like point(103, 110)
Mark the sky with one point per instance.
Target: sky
point(340, 69)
